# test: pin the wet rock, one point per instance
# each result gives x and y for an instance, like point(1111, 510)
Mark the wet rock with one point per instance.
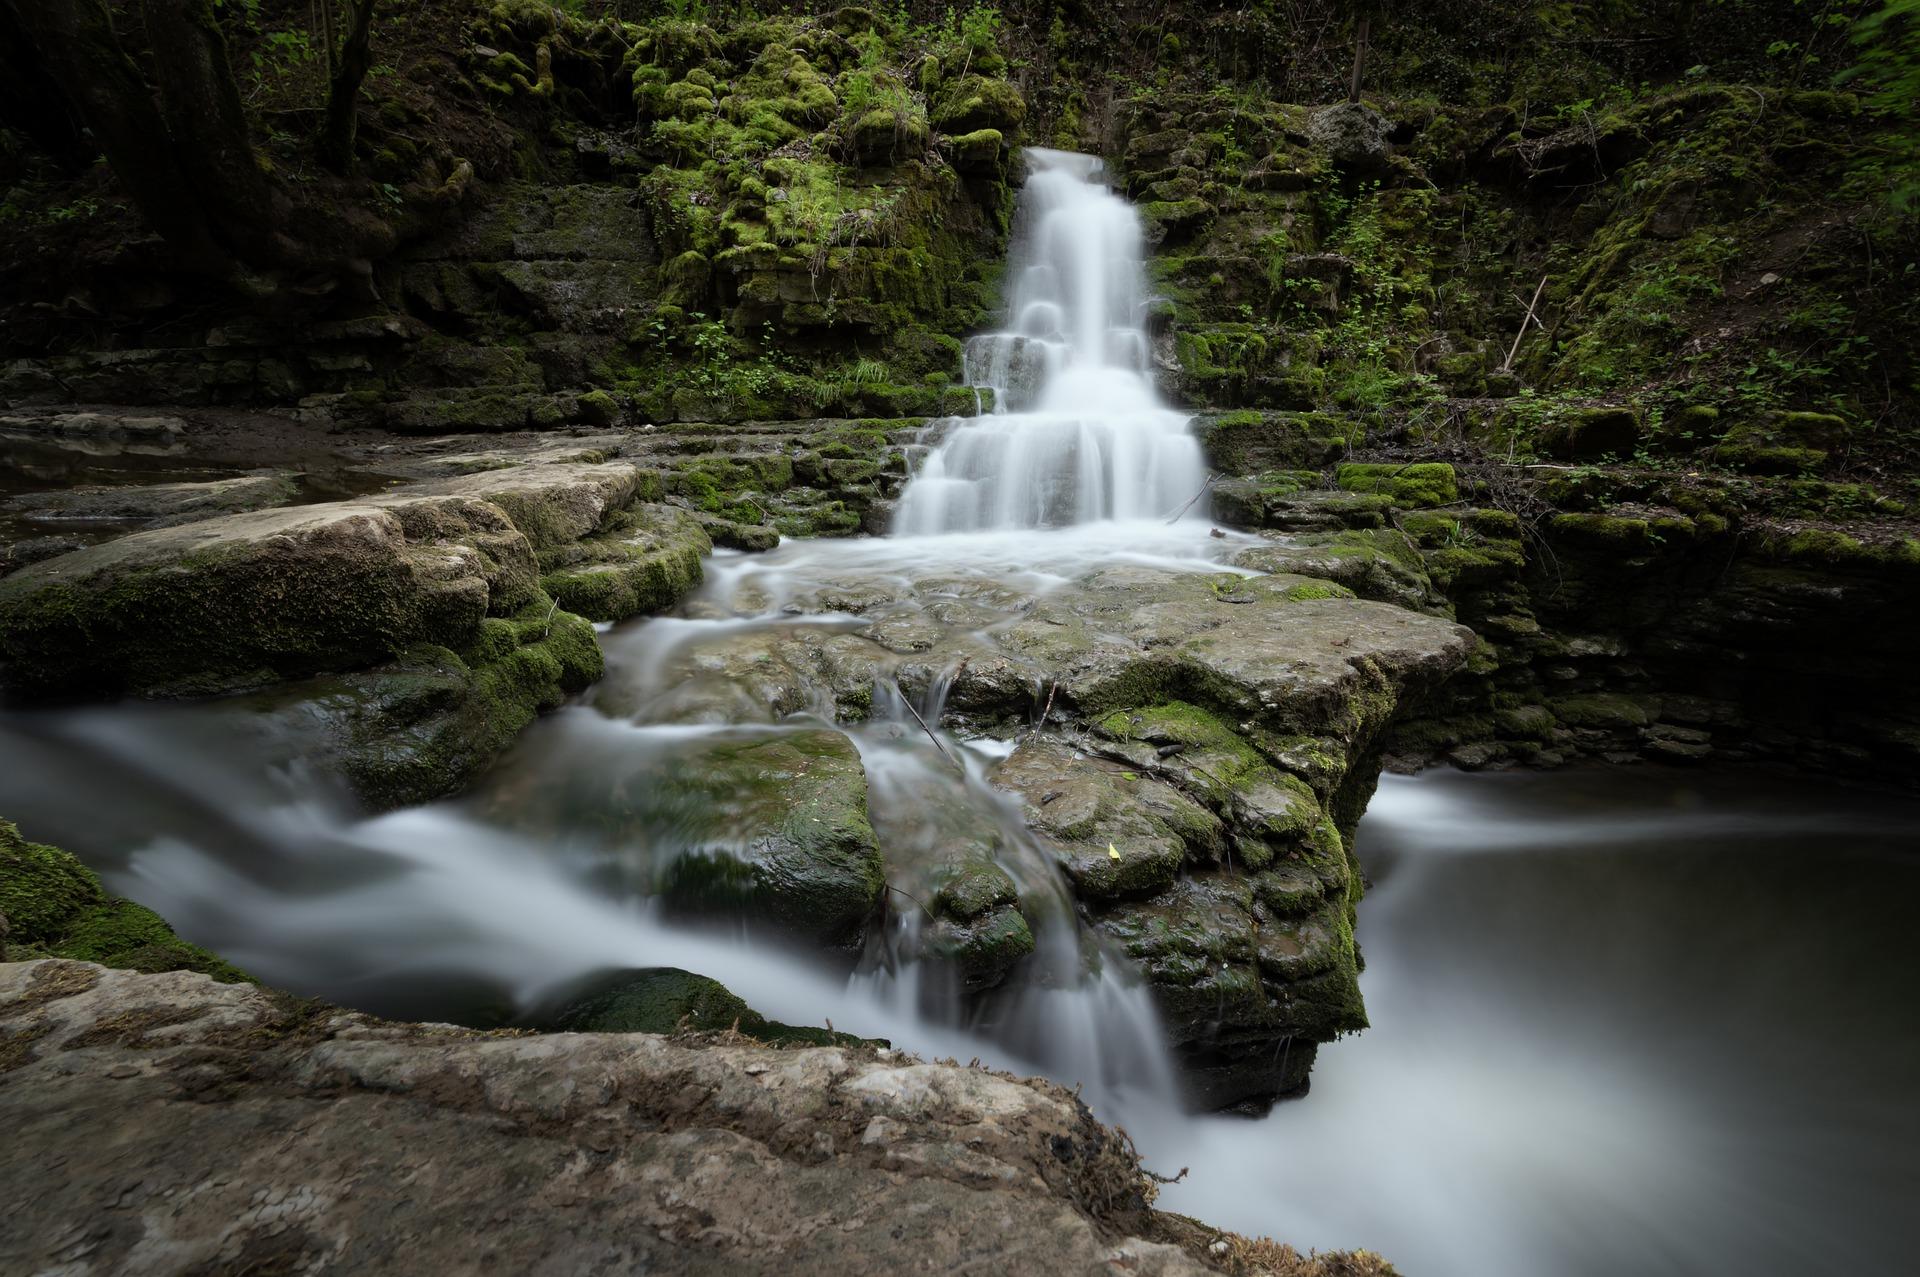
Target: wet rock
point(669, 1000)
point(781, 835)
point(673, 1157)
point(424, 726)
point(1116, 832)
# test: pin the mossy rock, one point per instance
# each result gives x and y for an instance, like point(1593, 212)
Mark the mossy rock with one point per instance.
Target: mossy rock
point(250, 598)
point(55, 907)
point(970, 103)
point(1420, 483)
point(984, 949)
point(981, 151)
point(1249, 441)
point(650, 562)
point(668, 1000)
point(1589, 434)
point(424, 726)
point(778, 833)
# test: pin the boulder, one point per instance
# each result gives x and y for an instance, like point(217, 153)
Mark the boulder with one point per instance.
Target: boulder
point(528, 1153)
point(250, 598)
point(1353, 135)
point(646, 563)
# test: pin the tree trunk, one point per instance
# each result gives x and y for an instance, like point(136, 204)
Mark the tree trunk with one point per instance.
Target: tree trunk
point(343, 93)
point(1359, 60)
point(75, 43)
point(31, 102)
point(212, 138)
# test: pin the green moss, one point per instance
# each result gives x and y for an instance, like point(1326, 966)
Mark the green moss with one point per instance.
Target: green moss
point(1626, 535)
point(598, 408)
point(787, 838)
point(668, 1000)
point(424, 726)
point(1422, 483)
point(55, 907)
point(649, 560)
point(1318, 590)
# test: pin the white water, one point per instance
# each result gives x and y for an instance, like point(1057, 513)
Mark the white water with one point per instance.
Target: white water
point(1077, 433)
point(1643, 1072)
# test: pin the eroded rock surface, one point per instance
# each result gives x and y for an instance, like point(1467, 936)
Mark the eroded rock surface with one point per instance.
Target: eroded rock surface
point(166, 1124)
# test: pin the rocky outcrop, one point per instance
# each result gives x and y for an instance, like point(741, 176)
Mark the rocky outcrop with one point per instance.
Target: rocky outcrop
point(420, 628)
point(1619, 612)
point(1192, 751)
point(167, 1124)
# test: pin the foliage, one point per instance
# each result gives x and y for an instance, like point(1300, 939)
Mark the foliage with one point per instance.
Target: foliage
point(1889, 43)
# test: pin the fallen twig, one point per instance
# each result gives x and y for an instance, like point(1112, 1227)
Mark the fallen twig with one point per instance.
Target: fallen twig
point(908, 702)
point(1196, 496)
point(1514, 349)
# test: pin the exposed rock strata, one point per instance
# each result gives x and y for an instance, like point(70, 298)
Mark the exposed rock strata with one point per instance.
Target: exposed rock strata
point(166, 1124)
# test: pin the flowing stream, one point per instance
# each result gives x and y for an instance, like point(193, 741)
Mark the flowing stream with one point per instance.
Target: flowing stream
point(1653, 1029)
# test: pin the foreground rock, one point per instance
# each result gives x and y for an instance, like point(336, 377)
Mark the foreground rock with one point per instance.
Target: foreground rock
point(167, 1124)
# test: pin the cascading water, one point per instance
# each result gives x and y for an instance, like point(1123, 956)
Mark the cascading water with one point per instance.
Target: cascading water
point(547, 873)
point(1077, 433)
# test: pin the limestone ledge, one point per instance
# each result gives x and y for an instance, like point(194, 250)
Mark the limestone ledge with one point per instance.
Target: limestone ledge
point(167, 1124)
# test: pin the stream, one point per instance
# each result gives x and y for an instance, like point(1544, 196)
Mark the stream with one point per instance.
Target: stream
point(1623, 1021)
point(1633, 1020)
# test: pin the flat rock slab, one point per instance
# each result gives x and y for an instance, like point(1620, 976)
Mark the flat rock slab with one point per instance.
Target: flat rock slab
point(159, 504)
point(163, 1124)
point(248, 598)
point(243, 599)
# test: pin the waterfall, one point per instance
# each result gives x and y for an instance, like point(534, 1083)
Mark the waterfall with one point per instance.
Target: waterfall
point(1077, 433)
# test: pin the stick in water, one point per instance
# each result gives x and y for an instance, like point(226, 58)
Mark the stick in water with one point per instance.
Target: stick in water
point(1195, 497)
point(908, 702)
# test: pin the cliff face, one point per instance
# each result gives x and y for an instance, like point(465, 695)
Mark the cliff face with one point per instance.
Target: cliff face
point(168, 1124)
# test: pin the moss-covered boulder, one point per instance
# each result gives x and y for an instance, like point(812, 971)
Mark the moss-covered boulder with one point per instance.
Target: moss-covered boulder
point(969, 103)
point(1419, 483)
point(1353, 135)
point(1211, 853)
point(976, 922)
point(425, 725)
point(252, 598)
point(1116, 831)
point(775, 831)
point(669, 1000)
point(1247, 440)
point(648, 560)
point(54, 907)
